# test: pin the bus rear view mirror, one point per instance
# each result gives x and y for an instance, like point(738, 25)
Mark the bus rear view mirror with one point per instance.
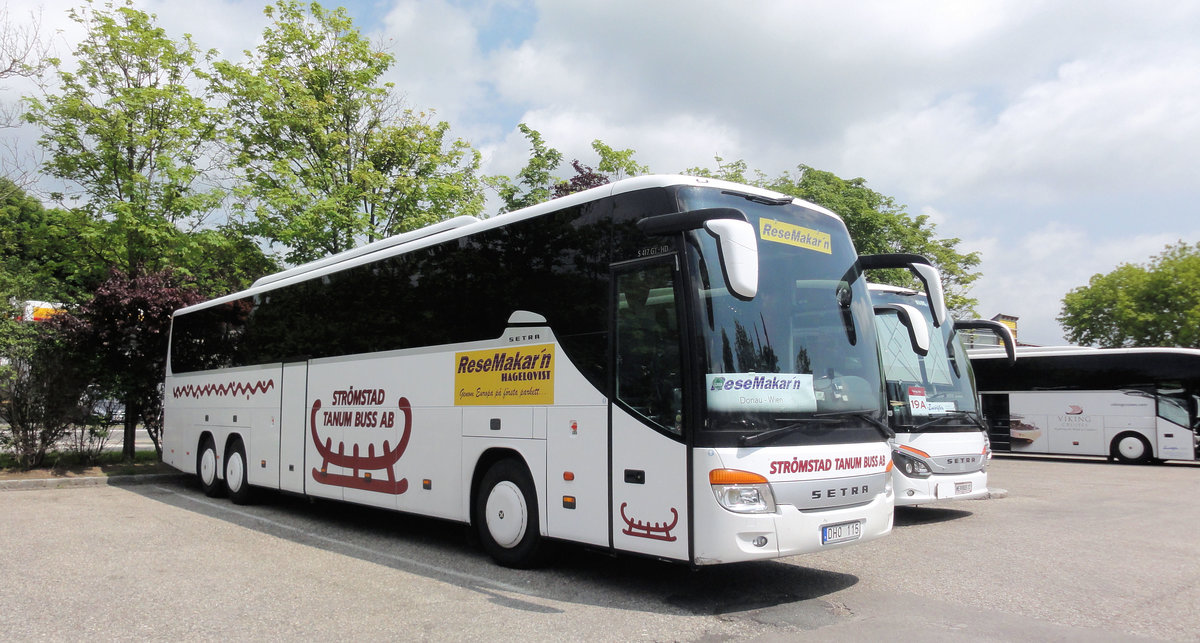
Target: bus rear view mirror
point(924, 271)
point(1000, 330)
point(911, 319)
point(737, 242)
point(739, 255)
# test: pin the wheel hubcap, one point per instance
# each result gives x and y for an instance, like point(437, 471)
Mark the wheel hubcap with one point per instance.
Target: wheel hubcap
point(208, 467)
point(506, 514)
point(234, 471)
point(1132, 448)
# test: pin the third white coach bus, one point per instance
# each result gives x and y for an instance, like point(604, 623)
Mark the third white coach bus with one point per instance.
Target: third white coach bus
point(668, 366)
point(1133, 405)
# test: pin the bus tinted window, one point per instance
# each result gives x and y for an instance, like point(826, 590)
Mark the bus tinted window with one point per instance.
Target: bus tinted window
point(459, 291)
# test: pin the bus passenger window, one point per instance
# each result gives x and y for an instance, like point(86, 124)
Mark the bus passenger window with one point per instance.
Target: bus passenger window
point(647, 343)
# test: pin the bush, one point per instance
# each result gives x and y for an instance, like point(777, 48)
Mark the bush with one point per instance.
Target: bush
point(40, 392)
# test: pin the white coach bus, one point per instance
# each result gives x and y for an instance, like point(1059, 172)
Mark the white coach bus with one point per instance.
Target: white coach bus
point(1133, 405)
point(668, 366)
point(941, 439)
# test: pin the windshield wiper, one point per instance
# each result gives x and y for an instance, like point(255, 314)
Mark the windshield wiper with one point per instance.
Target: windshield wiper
point(866, 415)
point(951, 414)
point(768, 435)
point(755, 198)
point(831, 417)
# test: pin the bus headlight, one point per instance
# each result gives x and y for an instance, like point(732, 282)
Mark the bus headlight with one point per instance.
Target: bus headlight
point(742, 491)
point(910, 466)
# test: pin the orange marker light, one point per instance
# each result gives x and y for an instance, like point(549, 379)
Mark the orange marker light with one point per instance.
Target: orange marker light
point(568, 476)
point(905, 447)
point(734, 476)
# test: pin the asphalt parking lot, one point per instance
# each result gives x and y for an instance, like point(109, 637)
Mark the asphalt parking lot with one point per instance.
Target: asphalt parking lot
point(1076, 550)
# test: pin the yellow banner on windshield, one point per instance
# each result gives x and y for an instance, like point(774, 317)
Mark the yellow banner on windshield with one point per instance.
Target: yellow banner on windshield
point(794, 235)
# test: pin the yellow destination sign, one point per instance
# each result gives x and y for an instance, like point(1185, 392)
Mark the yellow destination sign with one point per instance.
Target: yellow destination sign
point(516, 375)
point(794, 235)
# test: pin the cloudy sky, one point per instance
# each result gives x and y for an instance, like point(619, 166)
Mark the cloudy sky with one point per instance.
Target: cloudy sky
point(1058, 139)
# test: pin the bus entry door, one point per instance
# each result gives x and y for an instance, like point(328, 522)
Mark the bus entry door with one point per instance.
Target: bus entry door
point(649, 475)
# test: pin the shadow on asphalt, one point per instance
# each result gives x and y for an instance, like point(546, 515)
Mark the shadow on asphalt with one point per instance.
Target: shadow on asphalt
point(908, 516)
point(446, 551)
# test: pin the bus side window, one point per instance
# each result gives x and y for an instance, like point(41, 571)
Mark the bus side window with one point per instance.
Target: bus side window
point(649, 367)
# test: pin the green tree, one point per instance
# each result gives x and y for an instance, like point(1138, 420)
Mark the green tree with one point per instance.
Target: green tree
point(126, 133)
point(1157, 304)
point(126, 130)
point(535, 182)
point(617, 164)
point(43, 255)
point(326, 156)
point(877, 224)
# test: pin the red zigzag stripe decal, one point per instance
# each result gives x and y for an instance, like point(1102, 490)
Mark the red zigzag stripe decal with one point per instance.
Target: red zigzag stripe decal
point(224, 390)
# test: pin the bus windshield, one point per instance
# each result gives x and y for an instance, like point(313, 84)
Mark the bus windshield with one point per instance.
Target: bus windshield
point(797, 364)
point(935, 392)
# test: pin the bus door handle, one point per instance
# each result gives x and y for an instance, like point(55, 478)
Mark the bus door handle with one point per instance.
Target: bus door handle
point(635, 476)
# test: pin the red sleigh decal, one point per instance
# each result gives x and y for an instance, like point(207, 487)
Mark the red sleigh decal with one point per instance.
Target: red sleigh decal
point(356, 463)
point(645, 530)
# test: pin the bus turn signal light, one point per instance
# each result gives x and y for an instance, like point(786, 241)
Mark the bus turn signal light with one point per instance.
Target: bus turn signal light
point(905, 447)
point(734, 476)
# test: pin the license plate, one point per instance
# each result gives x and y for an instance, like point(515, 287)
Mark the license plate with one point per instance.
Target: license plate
point(961, 488)
point(841, 532)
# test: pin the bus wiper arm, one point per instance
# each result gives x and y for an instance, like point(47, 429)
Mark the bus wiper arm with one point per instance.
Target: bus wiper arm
point(816, 418)
point(950, 414)
point(865, 415)
point(766, 436)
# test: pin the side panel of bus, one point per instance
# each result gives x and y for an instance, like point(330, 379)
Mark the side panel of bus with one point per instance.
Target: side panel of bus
point(237, 403)
point(1078, 422)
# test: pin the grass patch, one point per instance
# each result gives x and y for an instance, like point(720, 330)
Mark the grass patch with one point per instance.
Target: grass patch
point(67, 463)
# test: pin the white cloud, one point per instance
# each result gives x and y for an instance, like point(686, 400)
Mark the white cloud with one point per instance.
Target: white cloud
point(1058, 138)
point(1029, 274)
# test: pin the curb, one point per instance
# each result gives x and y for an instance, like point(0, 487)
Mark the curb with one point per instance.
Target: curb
point(91, 481)
point(994, 494)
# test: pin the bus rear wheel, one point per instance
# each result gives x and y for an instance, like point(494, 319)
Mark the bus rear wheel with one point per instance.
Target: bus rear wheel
point(206, 468)
point(506, 515)
point(235, 473)
point(1131, 448)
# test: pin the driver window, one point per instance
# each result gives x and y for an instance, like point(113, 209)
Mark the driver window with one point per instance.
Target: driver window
point(648, 358)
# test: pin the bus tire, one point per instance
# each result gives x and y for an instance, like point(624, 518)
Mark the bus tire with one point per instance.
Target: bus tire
point(207, 464)
point(235, 473)
point(506, 515)
point(1131, 448)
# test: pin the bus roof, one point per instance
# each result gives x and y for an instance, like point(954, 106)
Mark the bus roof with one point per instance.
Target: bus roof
point(1053, 351)
point(466, 225)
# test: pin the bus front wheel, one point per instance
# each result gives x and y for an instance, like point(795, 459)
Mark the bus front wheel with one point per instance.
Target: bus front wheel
point(206, 468)
point(1131, 448)
point(506, 515)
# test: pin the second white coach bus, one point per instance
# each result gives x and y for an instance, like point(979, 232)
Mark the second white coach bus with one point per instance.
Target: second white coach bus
point(941, 439)
point(1133, 405)
point(669, 366)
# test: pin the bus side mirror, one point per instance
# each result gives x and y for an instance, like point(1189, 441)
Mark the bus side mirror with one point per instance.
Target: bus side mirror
point(738, 246)
point(911, 319)
point(924, 271)
point(737, 242)
point(1000, 330)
